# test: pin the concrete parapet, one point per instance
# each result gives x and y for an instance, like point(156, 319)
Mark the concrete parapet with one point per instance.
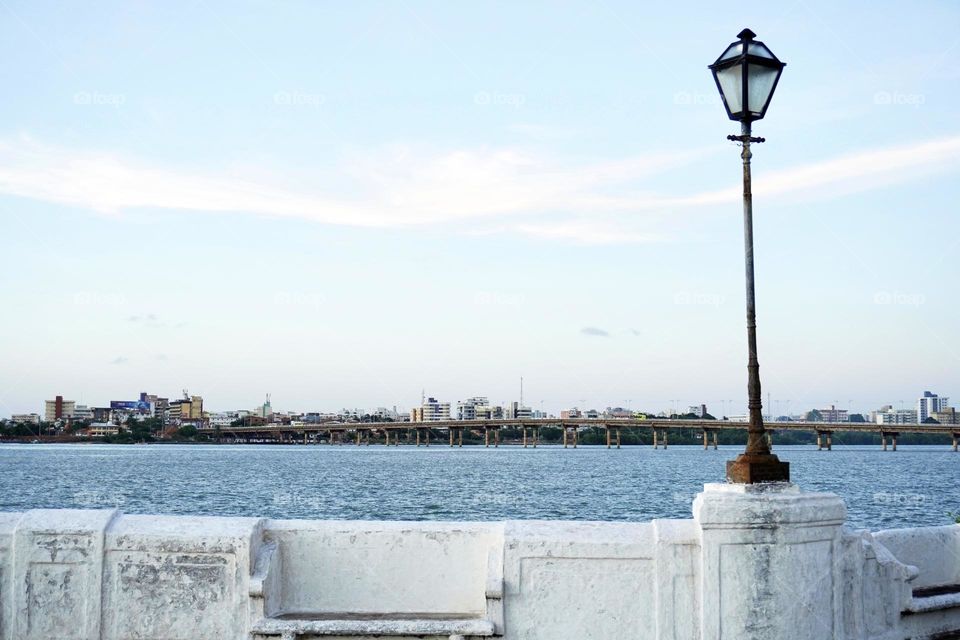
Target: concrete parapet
point(755, 563)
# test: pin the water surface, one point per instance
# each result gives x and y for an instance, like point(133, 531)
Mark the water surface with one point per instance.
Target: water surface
point(917, 485)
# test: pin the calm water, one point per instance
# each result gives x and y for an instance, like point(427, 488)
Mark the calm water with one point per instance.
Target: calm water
point(914, 486)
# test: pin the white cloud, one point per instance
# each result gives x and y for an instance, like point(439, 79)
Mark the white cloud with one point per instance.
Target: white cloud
point(585, 201)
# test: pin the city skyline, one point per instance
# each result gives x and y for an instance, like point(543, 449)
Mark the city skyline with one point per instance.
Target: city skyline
point(909, 411)
point(310, 201)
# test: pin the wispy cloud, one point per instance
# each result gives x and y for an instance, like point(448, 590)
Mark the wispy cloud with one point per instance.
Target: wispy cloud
point(120, 360)
point(512, 190)
point(595, 331)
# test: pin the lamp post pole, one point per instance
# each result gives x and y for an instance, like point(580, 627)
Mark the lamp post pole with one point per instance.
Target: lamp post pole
point(756, 442)
point(756, 463)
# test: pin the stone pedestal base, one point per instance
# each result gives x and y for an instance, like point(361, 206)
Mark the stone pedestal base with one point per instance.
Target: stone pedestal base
point(770, 562)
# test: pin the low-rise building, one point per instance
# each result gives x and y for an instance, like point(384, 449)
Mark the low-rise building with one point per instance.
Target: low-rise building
point(25, 418)
point(947, 415)
point(888, 415)
point(100, 429)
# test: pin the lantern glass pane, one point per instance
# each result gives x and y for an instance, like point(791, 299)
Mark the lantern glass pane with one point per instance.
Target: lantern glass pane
point(760, 86)
point(760, 49)
point(731, 86)
point(732, 51)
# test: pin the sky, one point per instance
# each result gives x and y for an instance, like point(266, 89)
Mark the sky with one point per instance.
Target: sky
point(347, 204)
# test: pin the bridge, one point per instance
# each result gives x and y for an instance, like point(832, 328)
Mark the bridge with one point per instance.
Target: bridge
point(363, 432)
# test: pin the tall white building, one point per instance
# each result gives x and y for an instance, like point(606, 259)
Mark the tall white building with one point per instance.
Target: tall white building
point(930, 404)
point(434, 410)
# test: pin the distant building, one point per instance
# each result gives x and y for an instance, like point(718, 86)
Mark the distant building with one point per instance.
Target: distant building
point(432, 410)
point(188, 410)
point(832, 414)
point(947, 415)
point(82, 412)
point(100, 429)
point(26, 418)
point(570, 414)
point(888, 415)
point(929, 404)
point(58, 408)
point(467, 409)
point(699, 410)
point(489, 412)
point(617, 413)
point(384, 414)
point(515, 411)
point(222, 419)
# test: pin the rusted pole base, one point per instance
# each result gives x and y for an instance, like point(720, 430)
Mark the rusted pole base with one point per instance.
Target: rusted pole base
point(753, 468)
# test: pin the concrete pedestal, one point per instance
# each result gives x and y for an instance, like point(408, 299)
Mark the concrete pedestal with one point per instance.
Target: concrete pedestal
point(770, 562)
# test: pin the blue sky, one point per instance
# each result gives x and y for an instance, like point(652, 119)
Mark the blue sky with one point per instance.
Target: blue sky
point(343, 204)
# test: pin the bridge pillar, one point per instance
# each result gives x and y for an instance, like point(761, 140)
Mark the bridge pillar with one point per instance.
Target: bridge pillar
point(564, 437)
point(714, 440)
point(883, 440)
point(427, 430)
point(706, 439)
point(496, 437)
point(618, 437)
point(893, 437)
point(536, 436)
point(576, 436)
point(654, 438)
point(358, 437)
point(608, 437)
point(418, 437)
point(664, 439)
point(486, 436)
point(460, 437)
point(819, 441)
point(956, 437)
point(770, 439)
point(451, 436)
point(829, 440)
point(386, 438)
point(524, 437)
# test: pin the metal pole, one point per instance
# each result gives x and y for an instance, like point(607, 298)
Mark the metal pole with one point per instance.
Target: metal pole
point(756, 443)
point(756, 464)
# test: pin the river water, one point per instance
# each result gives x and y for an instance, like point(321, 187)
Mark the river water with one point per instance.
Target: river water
point(916, 485)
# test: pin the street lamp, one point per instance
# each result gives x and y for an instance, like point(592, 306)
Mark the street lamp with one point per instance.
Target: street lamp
point(746, 75)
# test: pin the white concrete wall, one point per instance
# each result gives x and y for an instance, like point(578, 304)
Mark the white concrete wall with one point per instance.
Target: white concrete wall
point(750, 565)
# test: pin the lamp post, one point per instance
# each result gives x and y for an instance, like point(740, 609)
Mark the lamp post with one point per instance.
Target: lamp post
point(746, 74)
